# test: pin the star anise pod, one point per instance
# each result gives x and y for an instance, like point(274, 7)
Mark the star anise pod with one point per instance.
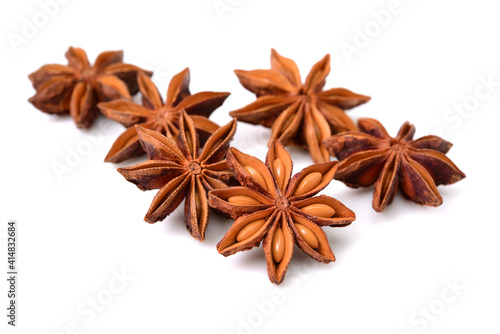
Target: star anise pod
point(181, 171)
point(301, 114)
point(370, 156)
point(278, 209)
point(78, 87)
point(156, 115)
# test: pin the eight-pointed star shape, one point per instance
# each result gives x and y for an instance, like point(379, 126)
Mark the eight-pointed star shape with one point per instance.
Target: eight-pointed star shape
point(371, 156)
point(78, 87)
point(278, 209)
point(302, 114)
point(181, 171)
point(162, 117)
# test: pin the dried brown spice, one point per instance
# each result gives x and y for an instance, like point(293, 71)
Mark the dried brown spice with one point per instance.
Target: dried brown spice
point(181, 171)
point(162, 117)
point(370, 156)
point(300, 114)
point(76, 89)
point(278, 209)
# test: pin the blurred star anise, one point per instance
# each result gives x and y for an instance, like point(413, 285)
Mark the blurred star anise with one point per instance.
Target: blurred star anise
point(370, 156)
point(78, 87)
point(181, 171)
point(301, 114)
point(159, 116)
point(278, 209)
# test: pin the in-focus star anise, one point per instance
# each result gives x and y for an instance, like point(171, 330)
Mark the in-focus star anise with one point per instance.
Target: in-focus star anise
point(159, 116)
point(370, 156)
point(301, 114)
point(278, 209)
point(181, 171)
point(77, 88)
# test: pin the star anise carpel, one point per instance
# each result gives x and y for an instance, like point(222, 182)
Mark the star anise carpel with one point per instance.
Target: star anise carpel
point(160, 116)
point(76, 89)
point(416, 166)
point(277, 209)
point(180, 170)
point(297, 113)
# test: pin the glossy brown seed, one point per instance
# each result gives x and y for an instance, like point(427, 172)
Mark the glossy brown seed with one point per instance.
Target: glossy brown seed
point(249, 230)
point(308, 183)
point(256, 175)
point(279, 172)
point(243, 200)
point(319, 210)
point(278, 246)
point(307, 235)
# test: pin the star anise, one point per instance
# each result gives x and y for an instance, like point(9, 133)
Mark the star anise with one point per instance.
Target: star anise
point(78, 87)
point(159, 116)
point(370, 156)
point(297, 113)
point(181, 171)
point(280, 210)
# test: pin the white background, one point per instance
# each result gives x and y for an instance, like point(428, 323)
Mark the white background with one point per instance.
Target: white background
point(393, 269)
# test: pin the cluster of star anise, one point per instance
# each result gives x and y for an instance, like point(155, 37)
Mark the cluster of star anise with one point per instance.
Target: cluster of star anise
point(190, 159)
